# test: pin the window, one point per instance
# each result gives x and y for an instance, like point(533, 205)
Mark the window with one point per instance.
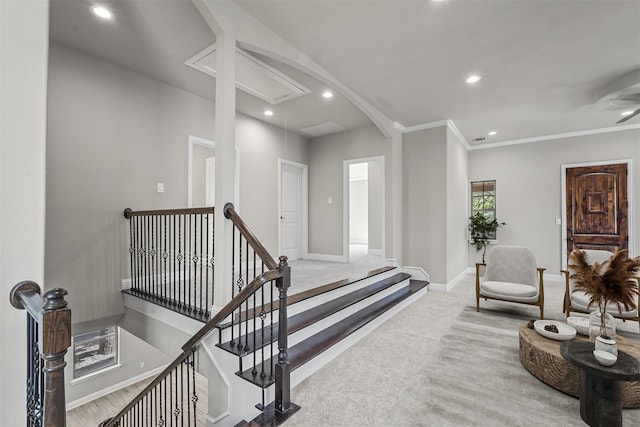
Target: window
point(95, 351)
point(483, 200)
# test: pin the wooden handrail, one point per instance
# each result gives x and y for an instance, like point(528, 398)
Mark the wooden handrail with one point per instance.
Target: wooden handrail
point(128, 212)
point(231, 214)
point(189, 346)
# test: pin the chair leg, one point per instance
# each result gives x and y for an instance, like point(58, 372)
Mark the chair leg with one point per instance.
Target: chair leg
point(541, 312)
point(478, 303)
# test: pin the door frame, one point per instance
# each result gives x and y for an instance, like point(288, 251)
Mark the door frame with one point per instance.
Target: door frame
point(563, 181)
point(305, 205)
point(345, 203)
point(196, 140)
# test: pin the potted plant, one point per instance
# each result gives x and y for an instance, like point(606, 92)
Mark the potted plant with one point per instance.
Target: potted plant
point(482, 229)
point(612, 283)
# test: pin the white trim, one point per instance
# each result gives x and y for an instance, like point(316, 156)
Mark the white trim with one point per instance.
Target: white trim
point(345, 202)
point(425, 126)
point(563, 196)
point(327, 257)
point(99, 372)
point(416, 273)
point(452, 126)
point(556, 136)
point(442, 287)
point(108, 390)
point(163, 315)
point(305, 205)
point(210, 143)
point(192, 140)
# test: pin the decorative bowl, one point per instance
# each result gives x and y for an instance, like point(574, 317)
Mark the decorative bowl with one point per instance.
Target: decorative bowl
point(565, 332)
point(604, 357)
point(580, 324)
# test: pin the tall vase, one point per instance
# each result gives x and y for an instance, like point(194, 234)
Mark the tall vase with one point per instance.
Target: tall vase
point(599, 328)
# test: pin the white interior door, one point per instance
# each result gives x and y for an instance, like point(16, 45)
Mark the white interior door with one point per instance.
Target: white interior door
point(291, 211)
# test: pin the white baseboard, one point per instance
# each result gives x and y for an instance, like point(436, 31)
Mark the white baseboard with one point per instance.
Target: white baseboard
point(105, 391)
point(326, 257)
point(391, 262)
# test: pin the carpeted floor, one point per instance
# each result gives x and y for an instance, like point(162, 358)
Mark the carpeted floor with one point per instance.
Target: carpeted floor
point(440, 363)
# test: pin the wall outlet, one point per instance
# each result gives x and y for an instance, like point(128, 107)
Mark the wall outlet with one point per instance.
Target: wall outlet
point(142, 364)
point(558, 221)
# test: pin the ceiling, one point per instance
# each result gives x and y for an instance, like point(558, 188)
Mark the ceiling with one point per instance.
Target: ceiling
point(541, 62)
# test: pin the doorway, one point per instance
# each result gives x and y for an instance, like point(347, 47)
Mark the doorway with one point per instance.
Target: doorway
point(597, 207)
point(292, 208)
point(363, 225)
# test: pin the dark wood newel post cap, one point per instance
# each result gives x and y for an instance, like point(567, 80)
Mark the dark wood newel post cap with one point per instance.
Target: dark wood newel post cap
point(26, 285)
point(127, 213)
point(228, 206)
point(283, 260)
point(54, 299)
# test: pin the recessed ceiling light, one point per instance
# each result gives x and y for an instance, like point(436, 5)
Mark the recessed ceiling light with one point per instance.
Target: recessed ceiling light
point(493, 132)
point(327, 94)
point(102, 12)
point(474, 78)
point(626, 113)
point(268, 113)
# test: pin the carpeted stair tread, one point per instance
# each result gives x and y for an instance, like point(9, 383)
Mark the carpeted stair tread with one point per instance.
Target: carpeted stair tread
point(316, 344)
point(263, 336)
point(294, 298)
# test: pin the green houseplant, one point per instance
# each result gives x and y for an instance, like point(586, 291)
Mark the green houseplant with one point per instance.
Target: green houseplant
point(482, 229)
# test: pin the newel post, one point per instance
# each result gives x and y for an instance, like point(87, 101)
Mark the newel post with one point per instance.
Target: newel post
point(55, 340)
point(283, 370)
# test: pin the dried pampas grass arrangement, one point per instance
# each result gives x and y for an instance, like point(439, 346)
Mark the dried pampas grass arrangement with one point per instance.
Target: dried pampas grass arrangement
point(613, 281)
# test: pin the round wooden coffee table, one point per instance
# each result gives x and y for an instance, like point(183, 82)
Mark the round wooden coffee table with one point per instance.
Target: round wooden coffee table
point(541, 357)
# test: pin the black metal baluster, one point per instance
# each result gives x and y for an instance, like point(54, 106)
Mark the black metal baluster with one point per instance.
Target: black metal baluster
point(207, 261)
point(213, 260)
point(164, 259)
point(194, 396)
point(174, 260)
point(189, 284)
point(246, 305)
point(202, 260)
point(271, 335)
point(233, 272)
point(152, 262)
point(146, 256)
point(188, 390)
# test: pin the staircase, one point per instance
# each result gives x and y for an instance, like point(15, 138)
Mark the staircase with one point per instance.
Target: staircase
point(322, 323)
point(266, 341)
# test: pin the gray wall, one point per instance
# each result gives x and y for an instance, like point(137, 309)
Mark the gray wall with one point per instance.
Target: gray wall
point(425, 201)
point(112, 135)
point(260, 145)
point(528, 187)
point(133, 351)
point(457, 206)
point(327, 155)
point(375, 205)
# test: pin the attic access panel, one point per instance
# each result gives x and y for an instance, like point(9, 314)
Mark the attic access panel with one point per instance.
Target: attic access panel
point(252, 75)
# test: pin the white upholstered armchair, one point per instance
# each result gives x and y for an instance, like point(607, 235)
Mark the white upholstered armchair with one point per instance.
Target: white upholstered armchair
point(511, 274)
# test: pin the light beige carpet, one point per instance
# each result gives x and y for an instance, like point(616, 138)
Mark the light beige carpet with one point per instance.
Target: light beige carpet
point(439, 363)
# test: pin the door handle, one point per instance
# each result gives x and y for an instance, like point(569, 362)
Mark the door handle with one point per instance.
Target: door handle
point(282, 217)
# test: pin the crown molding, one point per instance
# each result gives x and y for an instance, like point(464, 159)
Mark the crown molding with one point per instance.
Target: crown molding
point(453, 128)
point(556, 136)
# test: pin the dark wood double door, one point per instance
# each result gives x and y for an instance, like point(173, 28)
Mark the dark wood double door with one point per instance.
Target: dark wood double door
point(597, 207)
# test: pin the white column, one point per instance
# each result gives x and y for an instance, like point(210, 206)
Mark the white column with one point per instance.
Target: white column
point(225, 161)
point(24, 42)
point(397, 186)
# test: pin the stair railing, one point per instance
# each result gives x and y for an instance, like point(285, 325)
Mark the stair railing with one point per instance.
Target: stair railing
point(48, 338)
point(166, 399)
point(171, 256)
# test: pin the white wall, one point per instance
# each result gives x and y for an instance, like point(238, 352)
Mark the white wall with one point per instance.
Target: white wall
point(359, 211)
point(528, 187)
point(24, 31)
